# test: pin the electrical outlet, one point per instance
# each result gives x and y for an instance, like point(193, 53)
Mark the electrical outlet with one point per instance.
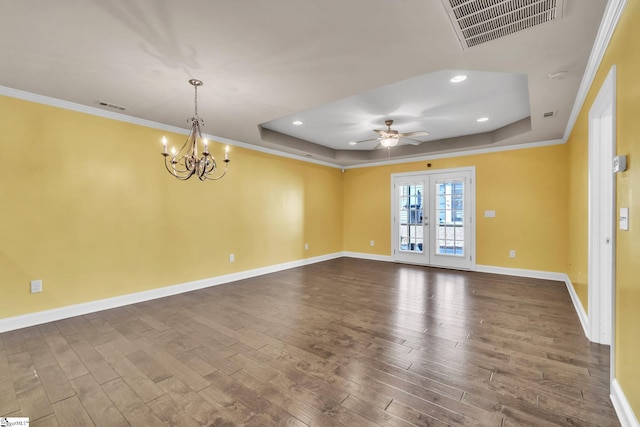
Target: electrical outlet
point(512, 253)
point(306, 246)
point(372, 243)
point(232, 257)
point(36, 286)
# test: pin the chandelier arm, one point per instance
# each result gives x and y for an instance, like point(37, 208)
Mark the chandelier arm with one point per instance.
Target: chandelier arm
point(212, 164)
point(190, 144)
point(166, 165)
point(203, 170)
point(177, 173)
point(180, 174)
point(226, 166)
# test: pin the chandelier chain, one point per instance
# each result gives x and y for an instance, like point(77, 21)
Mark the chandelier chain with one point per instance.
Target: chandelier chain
point(195, 99)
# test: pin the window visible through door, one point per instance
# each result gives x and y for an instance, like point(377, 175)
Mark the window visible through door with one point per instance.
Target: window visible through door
point(411, 216)
point(450, 216)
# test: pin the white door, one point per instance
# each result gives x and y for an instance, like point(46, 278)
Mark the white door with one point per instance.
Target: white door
point(451, 225)
point(411, 229)
point(432, 218)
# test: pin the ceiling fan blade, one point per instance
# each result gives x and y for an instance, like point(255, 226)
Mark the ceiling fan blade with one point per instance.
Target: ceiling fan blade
point(366, 140)
point(409, 134)
point(412, 141)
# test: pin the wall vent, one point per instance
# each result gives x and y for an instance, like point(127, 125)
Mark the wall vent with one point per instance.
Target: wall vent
point(479, 21)
point(111, 106)
point(549, 114)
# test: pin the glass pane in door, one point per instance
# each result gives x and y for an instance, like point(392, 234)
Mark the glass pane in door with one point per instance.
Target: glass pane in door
point(411, 230)
point(450, 217)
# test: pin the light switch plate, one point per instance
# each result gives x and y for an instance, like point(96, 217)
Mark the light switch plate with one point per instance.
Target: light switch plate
point(624, 219)
point(619, 164)
point(36, 286)
point(489, 214)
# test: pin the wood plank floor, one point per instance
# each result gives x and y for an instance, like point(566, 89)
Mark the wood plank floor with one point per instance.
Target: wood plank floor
point(345, 342)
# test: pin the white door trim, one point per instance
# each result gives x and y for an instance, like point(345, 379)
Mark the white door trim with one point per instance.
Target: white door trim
point(602, 204)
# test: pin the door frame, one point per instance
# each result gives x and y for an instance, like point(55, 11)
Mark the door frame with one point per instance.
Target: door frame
point(602, 216)
point(471, 201)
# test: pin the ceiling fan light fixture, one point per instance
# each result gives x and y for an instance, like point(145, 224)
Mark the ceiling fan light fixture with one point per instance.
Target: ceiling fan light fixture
point(389, 142)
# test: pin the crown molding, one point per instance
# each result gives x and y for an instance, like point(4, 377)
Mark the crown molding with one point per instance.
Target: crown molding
point(609, 22)
point(451, 154)
point(94, 111)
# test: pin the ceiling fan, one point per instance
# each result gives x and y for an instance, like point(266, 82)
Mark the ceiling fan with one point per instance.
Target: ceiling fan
point(390, 137)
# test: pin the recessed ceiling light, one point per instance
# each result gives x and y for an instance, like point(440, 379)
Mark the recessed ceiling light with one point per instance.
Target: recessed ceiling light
point(558, 75)
point(352, 143)
point(297, 122)
point(483, 119)
point(459, 78)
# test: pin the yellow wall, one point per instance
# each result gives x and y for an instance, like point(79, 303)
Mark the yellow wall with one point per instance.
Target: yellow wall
point(527, 189)
point(624, 53)
point(87, 206)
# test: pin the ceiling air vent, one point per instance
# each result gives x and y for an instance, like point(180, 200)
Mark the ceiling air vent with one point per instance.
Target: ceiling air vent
point(479, 21)
point(111, 106)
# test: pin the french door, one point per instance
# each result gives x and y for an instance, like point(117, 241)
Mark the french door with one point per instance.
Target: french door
point(432, 218)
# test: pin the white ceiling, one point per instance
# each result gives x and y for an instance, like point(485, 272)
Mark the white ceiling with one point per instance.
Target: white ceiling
point(430, 102)
point(267, 60)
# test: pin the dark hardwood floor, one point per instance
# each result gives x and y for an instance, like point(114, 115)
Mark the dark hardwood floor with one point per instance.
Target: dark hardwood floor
point(345, 342)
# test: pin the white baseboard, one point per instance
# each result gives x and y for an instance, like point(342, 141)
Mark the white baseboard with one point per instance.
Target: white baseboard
point(32, 319)
point(372, 257)
point(620, 403)
point(577, 305)
point(534, 274)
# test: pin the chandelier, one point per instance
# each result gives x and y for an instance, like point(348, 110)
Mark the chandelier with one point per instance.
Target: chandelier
point(185, 163)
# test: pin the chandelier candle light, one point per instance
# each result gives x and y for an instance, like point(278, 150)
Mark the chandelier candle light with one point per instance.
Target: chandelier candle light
point(185, 163)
